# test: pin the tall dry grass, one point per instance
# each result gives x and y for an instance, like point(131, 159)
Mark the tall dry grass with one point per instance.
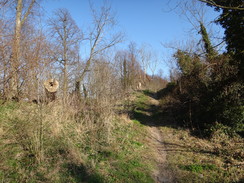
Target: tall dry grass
point(47, 136)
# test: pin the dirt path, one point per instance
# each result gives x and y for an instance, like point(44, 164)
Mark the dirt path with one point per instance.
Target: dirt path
point(162, 174)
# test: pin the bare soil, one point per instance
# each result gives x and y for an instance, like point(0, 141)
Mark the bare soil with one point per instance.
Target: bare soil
point(162, 173)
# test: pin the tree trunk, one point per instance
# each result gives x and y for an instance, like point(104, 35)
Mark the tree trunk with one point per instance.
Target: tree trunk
point(125, 74)
point(65, 82)
point(15, 59)
point(14, 64)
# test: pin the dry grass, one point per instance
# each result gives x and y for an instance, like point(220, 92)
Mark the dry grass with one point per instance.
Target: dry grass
point(48, 134)
point(82, 142)
point(219, 159)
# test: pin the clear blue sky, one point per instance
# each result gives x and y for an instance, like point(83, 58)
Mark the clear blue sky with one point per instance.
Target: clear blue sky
point(143, 21)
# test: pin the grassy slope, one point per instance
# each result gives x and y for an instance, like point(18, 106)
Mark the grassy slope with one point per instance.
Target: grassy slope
point(65, 155)
point(68, 157)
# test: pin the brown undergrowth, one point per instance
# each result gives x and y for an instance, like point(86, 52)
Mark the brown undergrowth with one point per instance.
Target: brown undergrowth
point(70, 143)
point(219, 159)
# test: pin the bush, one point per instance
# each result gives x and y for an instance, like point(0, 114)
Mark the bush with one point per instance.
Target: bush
point(206, 94)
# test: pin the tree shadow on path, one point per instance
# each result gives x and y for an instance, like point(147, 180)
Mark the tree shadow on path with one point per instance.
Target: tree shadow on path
point(79, 174)
point(150, 114)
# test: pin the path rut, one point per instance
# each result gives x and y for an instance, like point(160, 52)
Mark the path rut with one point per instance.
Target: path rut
point(162, 174)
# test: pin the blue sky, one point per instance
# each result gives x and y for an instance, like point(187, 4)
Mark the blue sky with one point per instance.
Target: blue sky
point(144, 21)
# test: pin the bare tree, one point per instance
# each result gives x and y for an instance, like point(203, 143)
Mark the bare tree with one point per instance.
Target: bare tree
point(37, 63)
point(22, 10)
point(154, 62)
point(122, 62)
point(101, 36)
point(5, 51)
point(145, 56)
point(128, 67)
point(195, 12)
point(133, 54)
point(67, 36)
point(20, 19)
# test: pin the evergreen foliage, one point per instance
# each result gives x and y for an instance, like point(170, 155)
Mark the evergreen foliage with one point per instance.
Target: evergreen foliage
point(210, 90)
point(210, 52)
point(233, 23)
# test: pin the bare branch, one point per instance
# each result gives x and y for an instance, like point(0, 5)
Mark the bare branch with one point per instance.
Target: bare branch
point(3, 2)
point(28, 11)
point(213, 3)
point(99, 37)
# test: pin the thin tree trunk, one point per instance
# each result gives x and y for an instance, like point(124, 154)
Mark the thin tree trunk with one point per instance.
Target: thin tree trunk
point(14, 64)
point(65, 82)
point(125, 74)
point(5, 78)
point(15, 59)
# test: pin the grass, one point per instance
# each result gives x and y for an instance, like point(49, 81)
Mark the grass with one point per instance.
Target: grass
point(143, 110)
point(198, 160)
point(47, 145)
point(78, 173)
point(198, 168)
point(126, 163)
point(141, 100)
point(192, 159)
